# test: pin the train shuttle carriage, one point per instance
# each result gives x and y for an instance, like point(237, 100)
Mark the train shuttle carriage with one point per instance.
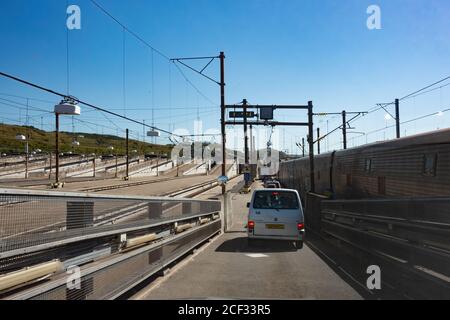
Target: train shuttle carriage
point(414, 166)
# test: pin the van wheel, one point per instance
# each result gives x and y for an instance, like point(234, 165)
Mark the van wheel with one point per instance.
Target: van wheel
point(299, 245)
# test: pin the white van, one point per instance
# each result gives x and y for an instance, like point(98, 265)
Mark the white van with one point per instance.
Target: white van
point(276, 214)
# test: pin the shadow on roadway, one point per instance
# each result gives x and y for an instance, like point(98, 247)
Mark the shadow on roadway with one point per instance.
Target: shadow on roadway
point(241, 244)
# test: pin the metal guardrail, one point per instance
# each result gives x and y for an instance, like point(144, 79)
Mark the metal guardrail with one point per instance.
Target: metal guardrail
point(78, 228)
point(407, 238)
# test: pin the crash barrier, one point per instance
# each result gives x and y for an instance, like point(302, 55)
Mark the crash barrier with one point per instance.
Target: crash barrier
point(407, 239)
point(116, 241)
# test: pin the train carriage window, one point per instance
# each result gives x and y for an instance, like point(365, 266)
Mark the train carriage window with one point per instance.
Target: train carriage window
point(429, 164)
point(368, 165)
point(382, 185)
point(349, 180)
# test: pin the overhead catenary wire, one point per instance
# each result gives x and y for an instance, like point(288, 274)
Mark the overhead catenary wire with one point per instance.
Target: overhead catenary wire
point(25, 98)
point(125, 29)
point(431, 90)
point(67, 56)
point(410, 95)
point(91, 125)
point(192, 85)
point(143, 41)
point(24, 106)
point(425, 88)
point(410, 120)
point(159, 108)
point(124, 72)
point(414, 94)
point(36, 86)
point(128, 30)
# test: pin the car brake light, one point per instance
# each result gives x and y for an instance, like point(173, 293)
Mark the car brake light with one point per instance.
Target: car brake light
point(251, 225)
point(300, 226)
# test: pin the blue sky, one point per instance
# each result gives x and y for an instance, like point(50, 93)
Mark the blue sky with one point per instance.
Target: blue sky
point(278, 52)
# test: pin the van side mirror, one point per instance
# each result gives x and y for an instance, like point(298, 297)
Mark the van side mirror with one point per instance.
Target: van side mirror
point(248, 204)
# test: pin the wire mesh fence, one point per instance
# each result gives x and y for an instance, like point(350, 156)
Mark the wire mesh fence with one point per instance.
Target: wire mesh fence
point(39, 218)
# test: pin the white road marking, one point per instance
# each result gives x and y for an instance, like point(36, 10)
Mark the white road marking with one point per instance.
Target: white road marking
point(256, 255)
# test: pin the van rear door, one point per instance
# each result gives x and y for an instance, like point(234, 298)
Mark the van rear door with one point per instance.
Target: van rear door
point(276, 213)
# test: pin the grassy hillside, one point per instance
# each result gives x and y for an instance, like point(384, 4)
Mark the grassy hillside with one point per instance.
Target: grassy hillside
point(89, 143)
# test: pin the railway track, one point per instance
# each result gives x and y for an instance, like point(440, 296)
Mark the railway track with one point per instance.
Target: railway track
point(131, 214)
point(145, 182)
point(113, 217)
point(127, 185)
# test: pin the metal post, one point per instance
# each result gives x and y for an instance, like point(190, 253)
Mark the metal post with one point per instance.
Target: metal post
point(157, 166)
point(222, 116)
point(251, 143)
point(397, 117)
point(344, 129)
point(225, 212)
point(26, 145)
point(26, 158)
point(303, 146)
point(128, 156)
point(244, 103)
point(255, 152)
point(94, 166)
point(116, 167)
point(57, 149)
point(143, 128)
point(50, 174)
point(311, 145)
point(318, 140)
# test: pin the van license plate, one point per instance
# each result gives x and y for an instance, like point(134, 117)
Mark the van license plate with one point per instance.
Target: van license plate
point(275, 226)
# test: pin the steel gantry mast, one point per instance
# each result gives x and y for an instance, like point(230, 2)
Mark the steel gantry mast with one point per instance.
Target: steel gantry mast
point(265, 118)
point(221, 83)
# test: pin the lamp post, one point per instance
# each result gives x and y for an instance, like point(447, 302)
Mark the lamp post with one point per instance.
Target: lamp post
point(93, 163)
point(68, 106)
point(21, 137)
point(157, 164)
point(111, 148)
point(127, 156)
point(50, 171)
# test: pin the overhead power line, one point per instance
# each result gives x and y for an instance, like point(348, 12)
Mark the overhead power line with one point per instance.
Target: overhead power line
point(24, 106)
point(425, 88)
point(411, 95)
point(431, 90)
point(134, 34)
point(410, 120)
point(82, 102)
point(192, 85)
point(26, 98)
point(142, 40)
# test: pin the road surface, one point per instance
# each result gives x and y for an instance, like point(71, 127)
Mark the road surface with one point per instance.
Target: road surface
point(228, 268)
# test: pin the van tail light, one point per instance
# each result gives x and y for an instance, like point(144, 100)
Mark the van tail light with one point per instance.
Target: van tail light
point(300, 226)
point(251, 225)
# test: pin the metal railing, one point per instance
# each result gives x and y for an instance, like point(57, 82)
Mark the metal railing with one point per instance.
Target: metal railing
point(408, 238)
point(40, 226)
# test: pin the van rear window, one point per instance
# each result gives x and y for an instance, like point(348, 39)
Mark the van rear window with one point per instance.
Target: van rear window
point(275, 200)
